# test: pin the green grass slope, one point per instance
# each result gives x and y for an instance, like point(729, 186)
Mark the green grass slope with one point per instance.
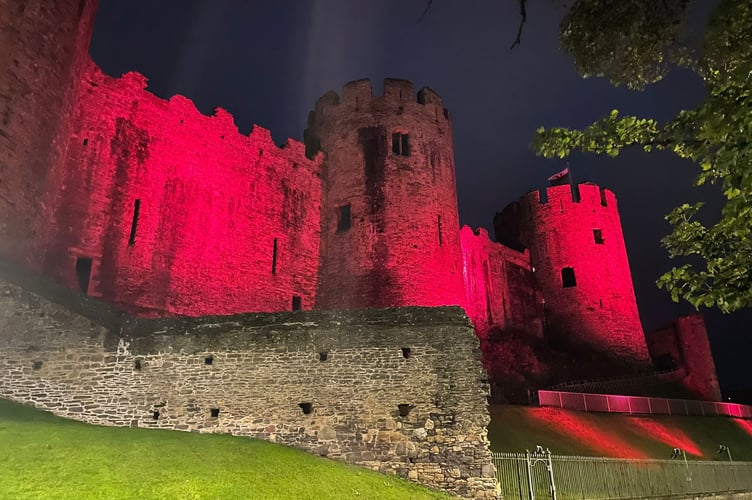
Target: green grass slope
point(516, 428)
point(44, 457)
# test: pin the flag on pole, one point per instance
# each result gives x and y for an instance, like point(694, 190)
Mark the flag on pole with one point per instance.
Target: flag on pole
point(560, 179)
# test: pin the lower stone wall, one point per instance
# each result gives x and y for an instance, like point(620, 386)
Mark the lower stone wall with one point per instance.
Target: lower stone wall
point(396, 390)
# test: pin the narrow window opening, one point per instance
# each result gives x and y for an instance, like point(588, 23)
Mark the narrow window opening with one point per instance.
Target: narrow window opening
point(400, 144)
point(297, 303)
point(598, 236)
point(603, 197)
point(209, 360)
point(406, 352)
point(83, 272)
point(274, 257)
point(601, 302)
point(214, 412)
point(446, 113)
point(441, 242)
point(155, 415)
point(137, 364)
point(344, 222)
point(134, 222)
point(306, 407)
point(86, 141)
point(323, 356)
point(561, 206)
point(567, 277)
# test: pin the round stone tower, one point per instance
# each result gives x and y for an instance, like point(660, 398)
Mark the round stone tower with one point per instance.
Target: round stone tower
point(389, 222)
point(580, 262)
point(45, 45)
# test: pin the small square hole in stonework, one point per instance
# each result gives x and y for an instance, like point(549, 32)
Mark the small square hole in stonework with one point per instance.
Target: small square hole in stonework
point(306, 407)
point(209, 360)
point(214, 412)
point(155, 415)
point(406, 352)
point(404, 409)
point(86, 141)
point(37, 365)
point(323, 356)
point(137, 364)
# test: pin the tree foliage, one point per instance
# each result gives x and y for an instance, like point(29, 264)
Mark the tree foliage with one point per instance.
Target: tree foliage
point(634, 42)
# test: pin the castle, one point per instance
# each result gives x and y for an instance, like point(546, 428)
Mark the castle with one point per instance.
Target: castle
point(153, 207)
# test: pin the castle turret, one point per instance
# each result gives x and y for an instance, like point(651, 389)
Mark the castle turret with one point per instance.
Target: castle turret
point(390, 228)
point(44, 50)
point(580, 261)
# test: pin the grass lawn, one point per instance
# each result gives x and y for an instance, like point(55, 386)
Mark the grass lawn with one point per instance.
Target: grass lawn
point(46, 457)
point(516, 428)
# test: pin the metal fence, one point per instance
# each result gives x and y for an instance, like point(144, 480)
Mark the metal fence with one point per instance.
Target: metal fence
point(637, 404)
point(530, 476)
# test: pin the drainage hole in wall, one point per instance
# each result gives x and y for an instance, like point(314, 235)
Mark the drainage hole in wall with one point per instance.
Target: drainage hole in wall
point(323, 356)
point(137, 364)
point(306, 407)
point(37, 365)
point(406, 351)
point(155, 415)
point(214, 412)
point(209, 360)
point(404, 409)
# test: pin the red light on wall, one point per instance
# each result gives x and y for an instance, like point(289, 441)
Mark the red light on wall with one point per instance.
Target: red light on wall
point(746, 425)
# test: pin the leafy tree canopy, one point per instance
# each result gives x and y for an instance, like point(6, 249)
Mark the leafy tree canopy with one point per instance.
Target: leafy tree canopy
point(634, 43)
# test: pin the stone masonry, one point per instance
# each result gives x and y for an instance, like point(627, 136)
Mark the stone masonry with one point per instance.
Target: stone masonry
point(396, 390)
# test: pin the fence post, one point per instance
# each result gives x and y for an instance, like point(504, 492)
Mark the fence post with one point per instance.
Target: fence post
point(529, 469)
point(550, 467)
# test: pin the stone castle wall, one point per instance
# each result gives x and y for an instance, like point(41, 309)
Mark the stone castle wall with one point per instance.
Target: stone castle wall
point(254, 375)
point(389, 171)
point(581, 266)
point(500, 286)
point(161, 209)
point(45, 45)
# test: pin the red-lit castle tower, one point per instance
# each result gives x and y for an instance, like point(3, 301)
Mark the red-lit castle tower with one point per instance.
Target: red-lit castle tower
point(389, 222)
point(45, 47)
point(580, 260)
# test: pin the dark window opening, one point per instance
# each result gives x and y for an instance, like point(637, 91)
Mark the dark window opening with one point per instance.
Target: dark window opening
point(274, 257)
point(86, 141)
point(214, 412)
point(561, 205)
point(83, 271)
point(323, 356)
point(406, 352)
point(306, 407)
point(345, 218)
point(567, 277)
point(209, 360)
point(137, 364)
point(155, 415)
point(598, 236)
point(404, 409)
point(134, 222)
point(400, 144)
point(665, 362)
point(441, 242)
point(600, 301)
point(297, 303)
point(603, 197)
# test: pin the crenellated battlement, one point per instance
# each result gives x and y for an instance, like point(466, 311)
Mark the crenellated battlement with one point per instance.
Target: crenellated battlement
point(565, 195)
point(358, 95)
point(184, 113)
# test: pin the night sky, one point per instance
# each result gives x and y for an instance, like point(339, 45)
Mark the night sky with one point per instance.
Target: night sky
point(268, 62)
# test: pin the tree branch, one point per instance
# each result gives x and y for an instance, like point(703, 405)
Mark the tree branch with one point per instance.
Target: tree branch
point(425, 11)
point(523, 16)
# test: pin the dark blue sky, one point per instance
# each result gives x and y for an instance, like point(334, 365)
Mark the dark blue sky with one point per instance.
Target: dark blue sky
point(267, 62)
